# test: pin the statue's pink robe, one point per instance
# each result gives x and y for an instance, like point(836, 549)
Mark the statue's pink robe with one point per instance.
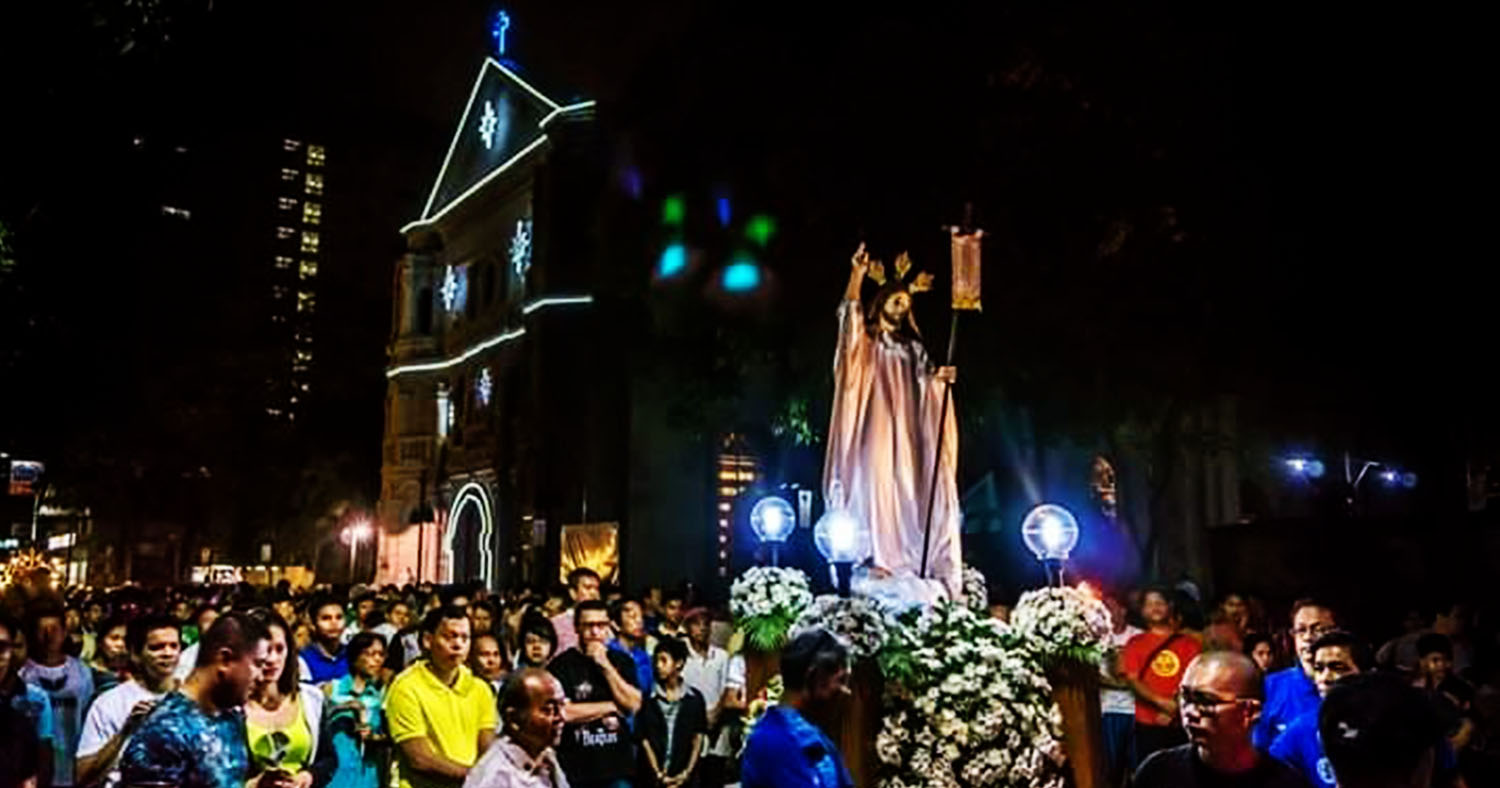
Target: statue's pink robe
point(887, 410)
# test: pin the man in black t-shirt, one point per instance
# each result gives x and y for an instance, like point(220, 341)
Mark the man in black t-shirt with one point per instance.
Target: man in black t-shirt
point(1218, 702)
point(596, 749)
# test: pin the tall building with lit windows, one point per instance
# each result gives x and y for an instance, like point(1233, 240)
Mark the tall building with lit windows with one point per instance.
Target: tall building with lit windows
point(297, 249)
point(737, 469)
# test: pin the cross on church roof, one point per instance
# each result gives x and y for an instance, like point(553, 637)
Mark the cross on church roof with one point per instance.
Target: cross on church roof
point(498, 30)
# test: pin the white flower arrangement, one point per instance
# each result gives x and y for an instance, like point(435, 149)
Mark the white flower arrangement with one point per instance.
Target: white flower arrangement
point(976, 590)
point(1062, 624)
point(859, 622)
point(970, 706)
point(766, 600)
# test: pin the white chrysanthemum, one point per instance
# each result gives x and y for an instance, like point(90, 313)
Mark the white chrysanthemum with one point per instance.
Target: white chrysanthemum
point(861, 623)
point(1062, 622)
point(976, 589)
point(769, 591)
point(976, 710)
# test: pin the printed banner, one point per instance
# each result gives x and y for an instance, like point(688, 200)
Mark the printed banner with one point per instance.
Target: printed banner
point(592, 545)
point(966, 283)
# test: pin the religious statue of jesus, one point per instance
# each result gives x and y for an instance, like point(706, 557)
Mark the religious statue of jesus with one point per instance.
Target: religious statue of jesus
point(889, 409)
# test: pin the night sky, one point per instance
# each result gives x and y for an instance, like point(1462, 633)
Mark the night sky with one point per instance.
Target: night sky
point(1293, 193)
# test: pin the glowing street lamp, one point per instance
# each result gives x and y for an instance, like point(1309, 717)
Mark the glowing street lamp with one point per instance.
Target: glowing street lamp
point(841, 538)
point(1051, 533)
point(1390, 475)
point(772, 519)
point(1306, 466)
point(355, 533)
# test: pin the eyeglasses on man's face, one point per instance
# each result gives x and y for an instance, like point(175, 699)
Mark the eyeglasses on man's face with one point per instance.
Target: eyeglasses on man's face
point(1206, 702)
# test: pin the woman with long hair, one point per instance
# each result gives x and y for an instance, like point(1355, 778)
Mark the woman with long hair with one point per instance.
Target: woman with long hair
point(1261, 649)
point(111, 660)
point(356, 720)
point(283, 718)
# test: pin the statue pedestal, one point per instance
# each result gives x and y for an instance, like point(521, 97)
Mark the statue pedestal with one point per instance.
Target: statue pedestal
point(1075, 688)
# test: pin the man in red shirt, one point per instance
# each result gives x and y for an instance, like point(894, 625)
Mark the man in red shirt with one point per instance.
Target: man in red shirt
point(1153, 663)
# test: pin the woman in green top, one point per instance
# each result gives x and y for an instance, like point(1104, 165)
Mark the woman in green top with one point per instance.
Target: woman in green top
point(356, 719)
point(283, 719)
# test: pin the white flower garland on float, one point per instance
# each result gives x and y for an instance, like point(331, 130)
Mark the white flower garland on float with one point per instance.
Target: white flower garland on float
point(860, 623)
point(968, 703)
point(1063, 624)
point(766, 601)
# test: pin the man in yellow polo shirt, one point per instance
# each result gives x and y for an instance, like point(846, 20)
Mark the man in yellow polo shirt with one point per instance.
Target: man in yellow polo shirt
point(442, 717)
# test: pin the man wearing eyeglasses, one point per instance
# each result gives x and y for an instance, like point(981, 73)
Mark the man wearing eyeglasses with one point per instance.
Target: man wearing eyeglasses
point(1335, 655)
point(1291, 693)
point(600, 685)
point(1218, 702)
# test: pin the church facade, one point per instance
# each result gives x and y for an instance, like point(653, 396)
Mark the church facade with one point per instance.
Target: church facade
point(491, 342)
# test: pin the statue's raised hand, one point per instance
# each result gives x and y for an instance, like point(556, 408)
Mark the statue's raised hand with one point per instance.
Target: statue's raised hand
point(861, 260)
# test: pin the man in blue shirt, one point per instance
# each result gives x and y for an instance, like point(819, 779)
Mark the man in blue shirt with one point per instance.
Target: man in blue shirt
point(632, 640)
point(1335, 655)
point(195, 737)
point(325, 654)
point(1291, 693)
point(787, 751)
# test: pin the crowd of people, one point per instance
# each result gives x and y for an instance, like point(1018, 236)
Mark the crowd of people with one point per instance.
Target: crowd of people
point(1232, 698)
point(442, 687)
point(416, 687)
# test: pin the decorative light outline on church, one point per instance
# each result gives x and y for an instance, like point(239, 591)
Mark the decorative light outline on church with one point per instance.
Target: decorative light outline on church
point(520, 248)
point(542, 303)
point(428, 215)
point(450, 288)
point(484, 387)
point(498, 339)
point(487, 124)
point(475, 494)
point(495, 173)
point(455, 289)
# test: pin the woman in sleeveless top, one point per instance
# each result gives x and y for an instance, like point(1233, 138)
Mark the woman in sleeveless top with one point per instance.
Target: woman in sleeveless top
point(284, 719)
